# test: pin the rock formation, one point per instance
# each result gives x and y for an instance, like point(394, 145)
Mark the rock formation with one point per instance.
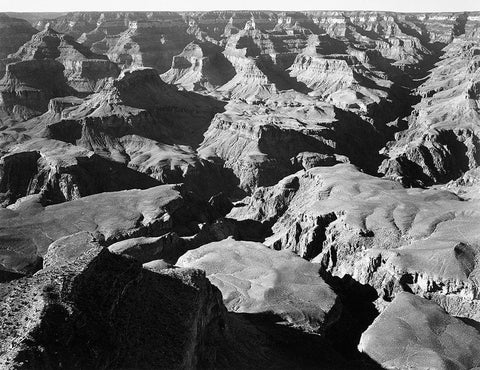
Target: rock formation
point(255, 279)
point(247, 138)
point(119, 109)
point(374, 230)
point(92, 296)
point(200, 66)
point(14, 32)
point(62, 171)
point(28, 227)
point(84, 70)
point(240, 189)
point(150, 130)
point(339, 78)
point(442, 140)
point(414, 333)
point(27, 87)
point(149, 43)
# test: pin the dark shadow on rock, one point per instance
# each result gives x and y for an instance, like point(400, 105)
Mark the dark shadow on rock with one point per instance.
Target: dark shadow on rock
point(258, 341)
point(279, 77)
point(470, 322)
point(6, 276)
point(357, 315)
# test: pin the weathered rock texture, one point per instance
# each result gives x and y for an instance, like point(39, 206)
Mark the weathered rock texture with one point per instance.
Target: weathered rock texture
point(61, 171)
point(255, 279)
point(27, 86)
point(85, 71)
point(114, 314)
point(442, 140)
point(261, 144)
point(316, 149)
point(414, 333)
point(14, 32)
point(150, 43)
point(27, 227)
point(199, 66)
point(380, 233)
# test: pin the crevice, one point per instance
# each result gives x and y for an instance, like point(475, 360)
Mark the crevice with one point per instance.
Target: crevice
point(357, 315)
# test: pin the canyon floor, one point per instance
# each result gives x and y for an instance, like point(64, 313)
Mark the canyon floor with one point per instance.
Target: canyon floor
point(240, 190)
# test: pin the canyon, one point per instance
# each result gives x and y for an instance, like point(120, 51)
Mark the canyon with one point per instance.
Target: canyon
point(236, 189)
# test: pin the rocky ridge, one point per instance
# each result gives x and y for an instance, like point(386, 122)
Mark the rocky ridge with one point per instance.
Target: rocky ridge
point(377, 232)
point(441, 142)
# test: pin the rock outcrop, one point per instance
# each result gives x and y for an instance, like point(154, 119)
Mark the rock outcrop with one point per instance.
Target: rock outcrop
point(84, 70)
point(260, 60)
point(108, 307)
point(340, 78)
point(28, 227)
point(200, 66)
point(414, 333)
point(255, 279)
point(150, 43)
point(381, 234)
point(145, 124)
point(61, 172)
point(14, 32)
point(168, 247)
point(261, 144)
point(27, 87)
point(138, 102)
point(442, 140)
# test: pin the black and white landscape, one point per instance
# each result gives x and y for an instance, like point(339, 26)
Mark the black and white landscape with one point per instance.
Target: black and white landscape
point(240, 190)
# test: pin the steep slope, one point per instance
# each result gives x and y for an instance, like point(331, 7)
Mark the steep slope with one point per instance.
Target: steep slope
point(89, 300)
point(441, 142)
point(290, 131)
point(85, 71)
point(150, 43)
point(339, 78)
point(61, 171)
point(260, 59)
point(147, 125)
point(27, 87)
point(14, 32)
point(200, 66)
point(395, 36)
point(377, 232)
point(137, 102)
